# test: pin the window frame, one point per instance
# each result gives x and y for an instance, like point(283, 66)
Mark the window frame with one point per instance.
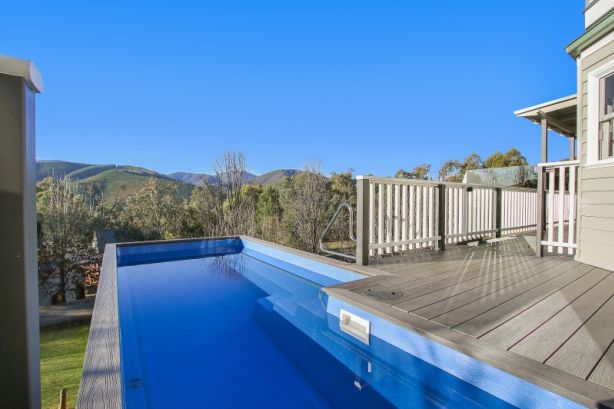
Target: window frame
point(595, 116)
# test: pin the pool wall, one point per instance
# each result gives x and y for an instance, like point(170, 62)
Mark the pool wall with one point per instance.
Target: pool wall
point(501, 384)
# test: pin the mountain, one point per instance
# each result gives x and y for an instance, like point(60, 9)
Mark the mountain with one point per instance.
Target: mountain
point(273, 177)
point(122, 180)
point(114, 180)
point(198, 179)
point(56, 168)
point(269, 178)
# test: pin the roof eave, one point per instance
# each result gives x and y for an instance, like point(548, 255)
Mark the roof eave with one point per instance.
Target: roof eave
point(592, 34)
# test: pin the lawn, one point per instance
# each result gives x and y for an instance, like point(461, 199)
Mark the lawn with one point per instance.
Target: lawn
point(62, 353)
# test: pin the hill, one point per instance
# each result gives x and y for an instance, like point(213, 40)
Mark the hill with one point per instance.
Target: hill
point(196, 179)
point(273, 177)
point(113, 180)
point(56, 168)
point(124, 180)
point(121, 180)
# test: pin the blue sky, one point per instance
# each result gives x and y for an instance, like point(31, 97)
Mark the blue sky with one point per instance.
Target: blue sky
point(369, 85)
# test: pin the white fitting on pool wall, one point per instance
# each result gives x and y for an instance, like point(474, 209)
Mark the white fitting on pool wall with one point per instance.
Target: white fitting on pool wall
point(354, 325)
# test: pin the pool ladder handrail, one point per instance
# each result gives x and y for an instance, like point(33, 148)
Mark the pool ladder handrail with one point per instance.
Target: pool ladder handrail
point(330, 224)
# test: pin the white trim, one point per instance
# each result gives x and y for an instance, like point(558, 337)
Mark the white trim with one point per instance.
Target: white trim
point(603, 163)
point(571, 99)
point(592, 120)
point(560, 163)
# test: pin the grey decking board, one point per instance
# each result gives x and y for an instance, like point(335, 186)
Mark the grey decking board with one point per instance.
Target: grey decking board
point(451, 277)
point(434, 273)
point(518, 304)
point(546, 339)
point(101, 379)
point(520, 324)
point(553, 280)
point(581, 353)
point(434, 259)
point(603, 374)
point(447, 292)
point(505, 321)
point(455, 277)
point(441, 260)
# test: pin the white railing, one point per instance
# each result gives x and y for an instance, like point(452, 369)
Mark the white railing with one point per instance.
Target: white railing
point(405, 214)
point(519, 210)
point(401, 215)
point(558, 182)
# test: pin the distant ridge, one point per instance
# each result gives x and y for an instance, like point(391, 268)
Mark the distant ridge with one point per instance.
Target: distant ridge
point(113, 180)
point(274, 177)
point(121, 180)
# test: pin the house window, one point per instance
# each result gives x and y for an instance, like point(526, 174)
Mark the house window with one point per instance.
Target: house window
point(606, 117)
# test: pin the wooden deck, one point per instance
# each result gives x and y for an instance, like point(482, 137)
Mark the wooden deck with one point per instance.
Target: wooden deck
point(552, 310)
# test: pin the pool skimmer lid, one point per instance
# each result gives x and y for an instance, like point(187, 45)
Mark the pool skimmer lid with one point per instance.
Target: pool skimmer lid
point(382, 293)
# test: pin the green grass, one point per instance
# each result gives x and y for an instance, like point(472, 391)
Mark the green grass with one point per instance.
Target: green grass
point(62, 353)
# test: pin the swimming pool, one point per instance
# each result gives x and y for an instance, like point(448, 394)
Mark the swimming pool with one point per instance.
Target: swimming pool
point(241, 323)
point(233, 330)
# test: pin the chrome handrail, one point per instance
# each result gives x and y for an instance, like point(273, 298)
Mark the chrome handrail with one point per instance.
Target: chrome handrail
point(330, 224)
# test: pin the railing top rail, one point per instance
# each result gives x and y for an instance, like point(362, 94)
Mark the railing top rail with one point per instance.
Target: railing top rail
point(400, 181)
point(560, 163)
point(519, 189)
point(404, 181)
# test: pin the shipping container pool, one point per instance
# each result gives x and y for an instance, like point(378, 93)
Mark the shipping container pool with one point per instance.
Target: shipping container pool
point(239, 323)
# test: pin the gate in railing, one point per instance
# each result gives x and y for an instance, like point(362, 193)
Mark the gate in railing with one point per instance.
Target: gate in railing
point(399, 215)
point(557, 207)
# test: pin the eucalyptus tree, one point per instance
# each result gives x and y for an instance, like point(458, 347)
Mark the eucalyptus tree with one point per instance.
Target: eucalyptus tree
point(67, 219)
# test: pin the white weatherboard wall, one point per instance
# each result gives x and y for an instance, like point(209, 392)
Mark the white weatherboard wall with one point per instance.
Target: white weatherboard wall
point(596, 180)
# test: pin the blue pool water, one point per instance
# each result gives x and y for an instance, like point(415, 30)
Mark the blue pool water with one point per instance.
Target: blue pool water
point(233, 331)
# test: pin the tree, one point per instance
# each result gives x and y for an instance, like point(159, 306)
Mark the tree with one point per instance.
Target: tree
point(343, 190)
point(226, 205)
point(269, 214)
point(513, 157)
point(421, 171)
point(306, 203)
point(67, 219)
point(155, 211)
point(454, 171)
point(451, 171)
point(472, 161)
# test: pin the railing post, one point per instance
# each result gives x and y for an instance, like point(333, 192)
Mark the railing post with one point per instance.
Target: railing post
point(541, 212)
point(498, 211)
point(362, 221)
point(441, 217)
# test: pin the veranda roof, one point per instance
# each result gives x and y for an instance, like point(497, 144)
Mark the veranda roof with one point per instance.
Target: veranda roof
point(560, 113)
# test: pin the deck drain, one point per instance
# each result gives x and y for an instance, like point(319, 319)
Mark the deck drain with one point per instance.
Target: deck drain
point(382, 293)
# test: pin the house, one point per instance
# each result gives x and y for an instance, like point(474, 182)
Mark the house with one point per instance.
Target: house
point(586, 120)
